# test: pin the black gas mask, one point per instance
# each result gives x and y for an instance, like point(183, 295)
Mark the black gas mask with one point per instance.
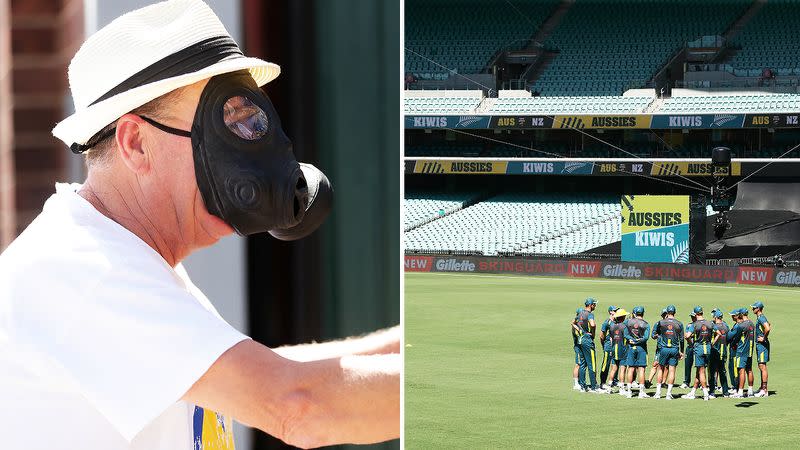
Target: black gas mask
point(244, 164)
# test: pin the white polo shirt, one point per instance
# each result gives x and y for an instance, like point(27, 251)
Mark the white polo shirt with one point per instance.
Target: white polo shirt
point(100, 338)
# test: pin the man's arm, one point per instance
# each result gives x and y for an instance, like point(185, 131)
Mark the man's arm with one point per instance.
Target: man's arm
point(380, 342)
point(354, 399)
point(733, 334)
point(765, 327)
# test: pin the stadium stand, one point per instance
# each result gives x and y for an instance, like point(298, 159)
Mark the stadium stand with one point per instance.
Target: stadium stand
point(463, 35)
point(605, 50)
point(423, 208)
point(766, 41)
point(440, 105)
point(741, 103)
point(516, 222)
point(570, 104)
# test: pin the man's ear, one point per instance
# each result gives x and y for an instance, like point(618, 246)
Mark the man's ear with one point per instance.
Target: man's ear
point(130, 140)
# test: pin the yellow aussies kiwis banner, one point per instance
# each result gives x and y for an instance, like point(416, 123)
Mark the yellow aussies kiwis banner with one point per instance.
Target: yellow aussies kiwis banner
point(465, 167)
point(655, 228)
point(604, 122)
point(692, 169)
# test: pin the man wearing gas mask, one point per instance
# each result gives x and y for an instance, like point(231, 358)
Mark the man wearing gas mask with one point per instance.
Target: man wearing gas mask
point(105, 343)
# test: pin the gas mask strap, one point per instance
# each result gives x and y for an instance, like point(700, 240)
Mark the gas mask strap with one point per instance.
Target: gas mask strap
point(167, 129)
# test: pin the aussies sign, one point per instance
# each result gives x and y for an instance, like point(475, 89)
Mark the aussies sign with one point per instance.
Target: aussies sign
point(655, 228)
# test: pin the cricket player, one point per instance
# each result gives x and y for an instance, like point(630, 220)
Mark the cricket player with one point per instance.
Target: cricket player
point(605, 338)
point(576, 346)
point(669, 333)
point(700, 332)
point(732, 370)
point(719, 354)
point(587, 327)
point(688, 359)
point(619, 347)
point(743, 331)
point(763, 328)
point(655, 368)
point(637, 332)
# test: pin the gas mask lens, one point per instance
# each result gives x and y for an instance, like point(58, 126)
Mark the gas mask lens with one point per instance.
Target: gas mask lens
point(244, 118)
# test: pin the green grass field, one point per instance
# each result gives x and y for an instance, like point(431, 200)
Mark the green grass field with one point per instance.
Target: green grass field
point(489, 360)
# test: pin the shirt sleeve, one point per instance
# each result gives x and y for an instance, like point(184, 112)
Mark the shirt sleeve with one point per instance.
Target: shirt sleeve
point(131, 345)
point(590, 316)
point(733, 334)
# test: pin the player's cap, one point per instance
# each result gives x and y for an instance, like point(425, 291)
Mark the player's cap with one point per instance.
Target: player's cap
point(692, 314)
point(717, 313)
point(578, 311)
point(759, 304)
point(590, 301)
point(735, 312)
point(612, 308)
point(671, 309)
point(620, 313)
point(698, 310)
point(744, 311)
point(638, 310)
point(663, 312)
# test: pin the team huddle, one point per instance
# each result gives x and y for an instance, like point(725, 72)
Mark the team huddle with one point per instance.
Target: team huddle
point(726, 352)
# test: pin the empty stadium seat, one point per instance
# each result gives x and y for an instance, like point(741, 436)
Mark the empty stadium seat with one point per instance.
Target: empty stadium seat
point(754, 103)
point(450, 36)
point(570, 104)
point(766, 40)
point(605, 50)
point(522, 223)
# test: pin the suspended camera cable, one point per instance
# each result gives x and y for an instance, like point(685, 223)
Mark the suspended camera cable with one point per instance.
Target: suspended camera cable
point(521, 14)
point(704, 187)
point(453, 71)
point(562, 157)
point(765, 166)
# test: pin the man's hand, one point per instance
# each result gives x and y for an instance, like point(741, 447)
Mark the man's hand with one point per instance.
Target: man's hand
point(761, 339)
point(680, 356)
point(353, 399)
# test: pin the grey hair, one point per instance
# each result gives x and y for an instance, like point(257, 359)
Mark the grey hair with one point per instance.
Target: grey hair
point(159, 109)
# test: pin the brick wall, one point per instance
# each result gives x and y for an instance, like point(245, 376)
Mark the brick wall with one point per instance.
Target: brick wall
point(7, 216)
point(45, 34)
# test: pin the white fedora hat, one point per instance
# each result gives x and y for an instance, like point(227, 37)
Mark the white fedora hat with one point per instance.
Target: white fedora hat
point(145, 54)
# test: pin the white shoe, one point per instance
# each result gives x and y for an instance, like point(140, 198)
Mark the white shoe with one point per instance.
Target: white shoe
point(577, 387)
point(627, 394)
point(761, 393)
point(749, 393)
point(689, 396)
point(643, 394)
point(657, 396)
point(606, 387)
point(622, 392)
point(684, 386)
point(705, 398)
point(735, 395)
point(635, 385)
point(668, 397)
point(712, 396)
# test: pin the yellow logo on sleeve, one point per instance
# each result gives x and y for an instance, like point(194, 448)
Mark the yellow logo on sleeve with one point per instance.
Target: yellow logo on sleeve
point(212, 431)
